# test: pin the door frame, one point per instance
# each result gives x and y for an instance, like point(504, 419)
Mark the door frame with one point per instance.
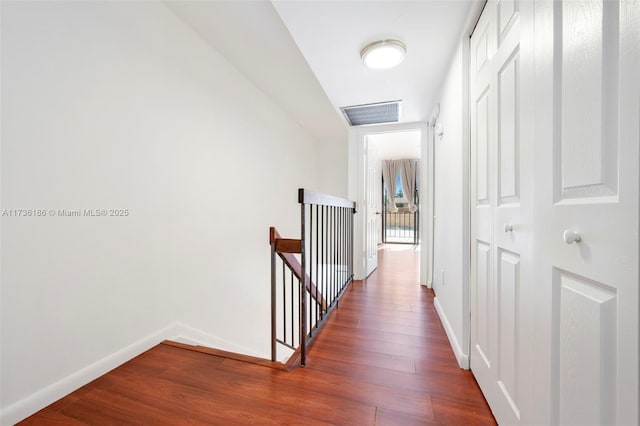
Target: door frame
point(357, 189)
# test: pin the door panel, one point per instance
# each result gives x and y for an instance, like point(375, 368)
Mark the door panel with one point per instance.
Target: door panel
point(585, 332)
point(480, 49)
point(587, 135)
point(508, 318)
point(482, 153)
point(507, 136)
point(506, 13)
point(482, 305)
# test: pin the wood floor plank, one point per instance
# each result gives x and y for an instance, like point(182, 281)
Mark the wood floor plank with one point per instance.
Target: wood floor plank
point(442, 382)
point(50, 418)
point(240, 381)
point(382, 358)
point(350, 389)
point(219, 403)
point(363, 357)
point(385, 417)
point(389, 315)
point(107, 408)
point(416, 350)
point(452, 412)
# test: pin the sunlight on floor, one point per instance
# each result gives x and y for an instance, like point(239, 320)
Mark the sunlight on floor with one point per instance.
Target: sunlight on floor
point(398, 247)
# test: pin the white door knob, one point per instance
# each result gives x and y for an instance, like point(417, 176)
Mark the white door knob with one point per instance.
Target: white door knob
point(507, 227)
point(571, 237)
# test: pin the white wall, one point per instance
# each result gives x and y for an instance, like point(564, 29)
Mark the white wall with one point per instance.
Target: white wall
point(120, 105)
point(332, 160)
point(450, 249)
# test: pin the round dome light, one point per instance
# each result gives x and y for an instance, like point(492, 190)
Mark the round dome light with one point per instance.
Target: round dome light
point(383, 54)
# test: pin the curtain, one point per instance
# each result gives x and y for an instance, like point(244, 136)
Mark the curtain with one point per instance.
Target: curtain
point(390, 176)
point(408, 171)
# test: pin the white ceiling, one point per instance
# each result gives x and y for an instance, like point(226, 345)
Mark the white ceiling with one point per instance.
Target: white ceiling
point(331, 34)
point(252, 37)
point(305, 54)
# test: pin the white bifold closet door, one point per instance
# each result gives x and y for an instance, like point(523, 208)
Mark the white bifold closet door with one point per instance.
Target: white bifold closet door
point(587, 139)
point(555, 136)
point(501, 207)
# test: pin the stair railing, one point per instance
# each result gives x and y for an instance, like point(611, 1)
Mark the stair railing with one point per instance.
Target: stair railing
point(309, 275)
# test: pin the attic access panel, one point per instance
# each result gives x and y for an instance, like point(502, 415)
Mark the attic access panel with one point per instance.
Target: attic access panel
point(383, 112)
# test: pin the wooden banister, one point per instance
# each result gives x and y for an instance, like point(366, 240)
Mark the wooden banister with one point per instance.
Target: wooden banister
point(286, 248)
point(273, 235)
point(311, 197)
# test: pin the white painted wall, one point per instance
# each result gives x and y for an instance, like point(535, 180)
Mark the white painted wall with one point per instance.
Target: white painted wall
point(120, 105)
point(450, 176)
point(332, 161)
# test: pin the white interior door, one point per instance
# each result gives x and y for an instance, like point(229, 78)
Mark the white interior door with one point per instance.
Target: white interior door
point(501, 204)
point(373, 177)
point(588, 115)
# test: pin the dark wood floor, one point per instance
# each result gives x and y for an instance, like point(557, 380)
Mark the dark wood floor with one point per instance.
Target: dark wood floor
point(382, 359)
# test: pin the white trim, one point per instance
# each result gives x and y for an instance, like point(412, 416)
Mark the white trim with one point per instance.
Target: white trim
point(426, 206)
point(177, 331)
point(466, 197)
point(429, 151)
point(461, 357)
point(50, 394)
point(355, 193)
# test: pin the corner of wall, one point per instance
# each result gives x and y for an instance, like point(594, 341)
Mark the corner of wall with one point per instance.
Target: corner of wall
point(40, 399)
point(184, 333)
point(355, 156)
point(177, 331)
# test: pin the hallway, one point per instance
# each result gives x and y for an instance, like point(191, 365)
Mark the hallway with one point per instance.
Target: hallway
point(387, 336)
point(382, 359)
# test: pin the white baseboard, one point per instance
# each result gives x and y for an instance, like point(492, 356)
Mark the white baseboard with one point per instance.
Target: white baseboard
point(50, 394)
point(461, 357)
point(177, 332)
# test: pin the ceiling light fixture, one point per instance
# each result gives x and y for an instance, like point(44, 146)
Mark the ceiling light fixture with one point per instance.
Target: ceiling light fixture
point(383, 54)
